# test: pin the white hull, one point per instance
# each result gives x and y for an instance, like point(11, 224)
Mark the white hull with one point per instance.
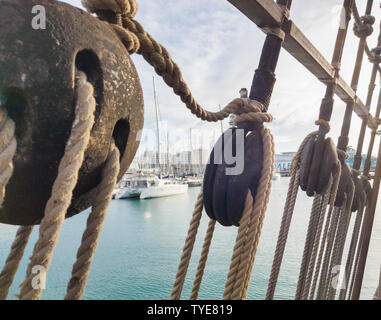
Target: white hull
point(127, 193)
point(163, 191)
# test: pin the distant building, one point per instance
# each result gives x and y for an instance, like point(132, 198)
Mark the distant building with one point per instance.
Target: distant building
point(350, 160)
point(283, 161)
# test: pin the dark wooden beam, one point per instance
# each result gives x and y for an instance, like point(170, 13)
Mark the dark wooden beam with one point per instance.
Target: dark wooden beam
point(266, 13)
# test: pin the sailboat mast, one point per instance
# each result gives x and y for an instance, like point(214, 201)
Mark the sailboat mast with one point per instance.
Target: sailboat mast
point(222, 125)
point(157, 121)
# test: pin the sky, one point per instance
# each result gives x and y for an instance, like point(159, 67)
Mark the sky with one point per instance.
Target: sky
point(218, 49)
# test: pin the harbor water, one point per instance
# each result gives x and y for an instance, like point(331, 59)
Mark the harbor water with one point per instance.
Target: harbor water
point(141, 243)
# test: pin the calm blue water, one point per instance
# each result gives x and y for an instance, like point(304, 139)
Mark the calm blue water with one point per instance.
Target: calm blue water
point(141, 243)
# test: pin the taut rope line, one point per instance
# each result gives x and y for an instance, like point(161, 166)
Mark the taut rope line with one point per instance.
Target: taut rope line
point(95, 220)
point(250, 224)
point(8, 147)
point(63, 186)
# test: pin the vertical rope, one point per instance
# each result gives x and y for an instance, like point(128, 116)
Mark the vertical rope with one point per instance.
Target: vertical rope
point(188, 248)
point(8, 147)
point(95, 220)
point(324, 240)
point(327, 255)
point(352, 250)
point(283, 232)
point(203, 258)
point(341, 239)
point(250, 226)
point(333, 256)
point(253, 251)
point(311, 231)
point(358, 253)
point(316, 242)
point(13, 261)
point(286, 220)
point(63, 186)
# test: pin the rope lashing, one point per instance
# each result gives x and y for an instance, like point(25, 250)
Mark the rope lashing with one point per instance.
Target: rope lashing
point(94, 225)
point(8, 147)
point(325, 123)
point(63, 186)
point(364, 28)
point(375, 56)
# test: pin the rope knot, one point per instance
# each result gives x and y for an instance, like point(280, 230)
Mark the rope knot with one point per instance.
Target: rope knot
point(325, 123)
point(126, 8)
point(364, 29)
point(342, 155)
point(375, 55)
point(251, 111)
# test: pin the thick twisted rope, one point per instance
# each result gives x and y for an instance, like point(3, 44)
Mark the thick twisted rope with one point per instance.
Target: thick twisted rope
point(286, 219)
point(13, 260)
point(253, 251)
point(188, 248)
point(315, 245)
point(136, 39)
point(323, 282)
point(334, 188)
point(341, 238)
point(8, 147)
point(202, 261)
point(63, 186)
point(250, 227)
point(95, 220)
point(352, 250)
point(311, 231)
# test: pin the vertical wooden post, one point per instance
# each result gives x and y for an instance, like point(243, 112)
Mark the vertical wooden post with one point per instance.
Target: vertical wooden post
point(264, 77)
